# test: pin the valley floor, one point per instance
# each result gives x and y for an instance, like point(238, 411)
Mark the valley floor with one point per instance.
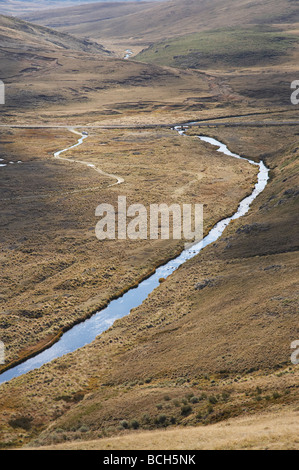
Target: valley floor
point(205, 361)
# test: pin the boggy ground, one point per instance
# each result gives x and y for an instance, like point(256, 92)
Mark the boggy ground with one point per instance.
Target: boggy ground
point(54, 270)
point(228, 317)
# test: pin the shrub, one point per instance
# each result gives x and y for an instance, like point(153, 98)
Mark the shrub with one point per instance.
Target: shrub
point(189, 396)
point(186, 410)
point(22, 422)
point(78, 397)
point(134, 424)
point(124, 424)
point(213, 400)
point(146, 419)
point(83, 428)
point(194, 400)
point(161, 420)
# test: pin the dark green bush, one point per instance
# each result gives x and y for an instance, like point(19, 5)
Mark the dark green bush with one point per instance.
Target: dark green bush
point(161, 420)
point(186, 410)
point(22, 422)
point(124, 424)
point(213, 400)
point(134, 424)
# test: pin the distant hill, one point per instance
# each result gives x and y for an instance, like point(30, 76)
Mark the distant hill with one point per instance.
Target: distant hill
point(20, 7)
point(19, 34)
point(30, 52)
point(249, 46)
point(86, 20)
point(163, 20)
point(52, 72)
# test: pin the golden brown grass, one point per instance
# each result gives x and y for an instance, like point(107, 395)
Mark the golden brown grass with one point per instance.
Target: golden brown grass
point(274, 430)
point(222, 351)
point(220, 341)
point(49, 222)
point(100, 89)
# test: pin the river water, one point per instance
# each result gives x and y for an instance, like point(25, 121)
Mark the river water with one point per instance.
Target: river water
point(86, 332)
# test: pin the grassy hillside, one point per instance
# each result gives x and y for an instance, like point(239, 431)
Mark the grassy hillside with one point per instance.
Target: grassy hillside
point(171, 19)
point(224, 48)
point(79, 17)
point(25, 37)
point(268, 431)
point(22, 7)
point(52, 76)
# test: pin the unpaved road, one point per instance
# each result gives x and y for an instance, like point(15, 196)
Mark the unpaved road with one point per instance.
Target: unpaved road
point(119, 180)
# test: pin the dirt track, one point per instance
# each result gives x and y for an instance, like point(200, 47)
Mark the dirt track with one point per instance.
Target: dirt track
point(153, 126)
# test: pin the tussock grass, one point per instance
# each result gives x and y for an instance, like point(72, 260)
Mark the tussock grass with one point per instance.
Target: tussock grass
point(235, 47)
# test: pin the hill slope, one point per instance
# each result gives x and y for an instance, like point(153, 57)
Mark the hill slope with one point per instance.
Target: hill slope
point(250, 46)
point(172, 18)
point(21, 35)
point(86, 19)
point(271, 431)
point(54, 76)
point(19, 7)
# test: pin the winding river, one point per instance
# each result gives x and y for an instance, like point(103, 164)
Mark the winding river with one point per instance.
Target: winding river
point(86, 332)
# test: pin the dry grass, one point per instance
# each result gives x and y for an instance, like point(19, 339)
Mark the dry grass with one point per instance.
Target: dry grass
point(49, 220)
point(227, 344)
point(100, 89)
point(267, 431)
point(218, 336)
